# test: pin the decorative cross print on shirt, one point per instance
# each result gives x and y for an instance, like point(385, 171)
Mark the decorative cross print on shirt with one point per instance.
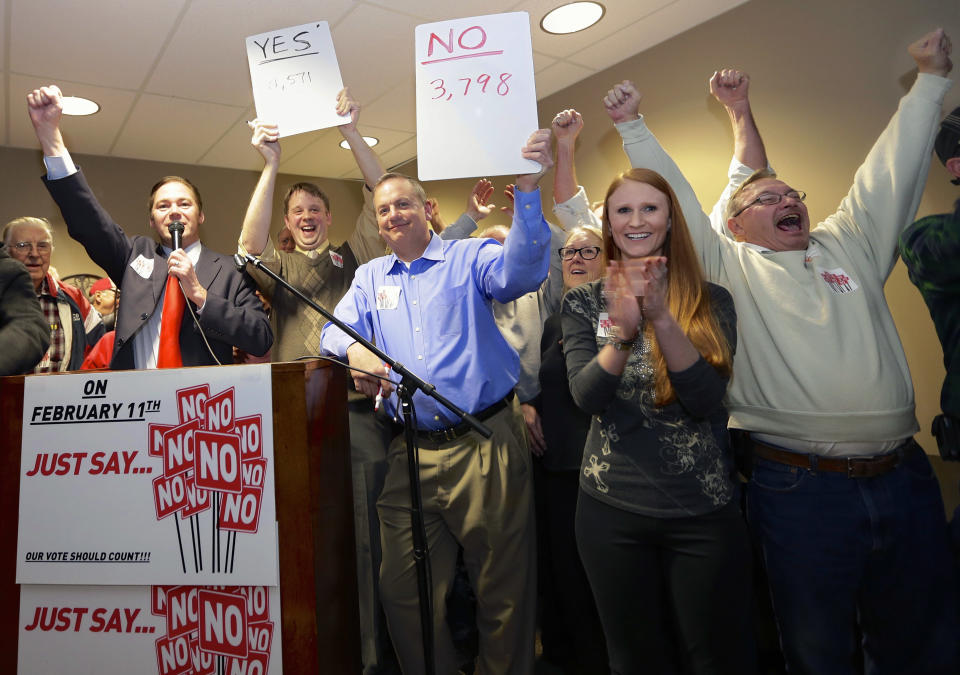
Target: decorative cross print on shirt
point(594, 471)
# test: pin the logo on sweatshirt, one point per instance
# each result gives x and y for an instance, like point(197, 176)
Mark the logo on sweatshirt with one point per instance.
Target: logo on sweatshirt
point(839, 281)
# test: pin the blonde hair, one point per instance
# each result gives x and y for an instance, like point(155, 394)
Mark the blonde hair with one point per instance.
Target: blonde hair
point(687, 296)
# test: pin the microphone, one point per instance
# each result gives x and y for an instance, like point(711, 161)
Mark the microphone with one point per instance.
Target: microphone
point(176, 232)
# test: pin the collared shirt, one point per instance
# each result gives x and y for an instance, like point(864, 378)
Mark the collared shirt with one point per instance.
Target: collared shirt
point(434, 315)
point(53, 359)
point(146, 342)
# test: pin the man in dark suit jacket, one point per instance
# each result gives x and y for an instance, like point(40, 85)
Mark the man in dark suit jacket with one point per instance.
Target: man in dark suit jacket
point(223, 299)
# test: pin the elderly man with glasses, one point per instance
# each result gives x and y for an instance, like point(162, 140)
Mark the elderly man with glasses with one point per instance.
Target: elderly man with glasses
point(74, 326)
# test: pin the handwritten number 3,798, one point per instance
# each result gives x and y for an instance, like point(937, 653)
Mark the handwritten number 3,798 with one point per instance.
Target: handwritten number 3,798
point(503, 88)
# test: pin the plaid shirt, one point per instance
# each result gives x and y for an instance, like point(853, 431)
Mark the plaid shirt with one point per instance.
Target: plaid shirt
point(53, 359)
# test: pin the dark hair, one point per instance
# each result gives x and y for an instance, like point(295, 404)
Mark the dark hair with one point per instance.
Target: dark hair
point(176, 179)
point(311, 189)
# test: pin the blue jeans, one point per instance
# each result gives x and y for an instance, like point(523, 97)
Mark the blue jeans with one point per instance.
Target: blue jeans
point(846, 551)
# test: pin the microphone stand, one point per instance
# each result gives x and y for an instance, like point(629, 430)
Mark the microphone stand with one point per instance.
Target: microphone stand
point(409, 384)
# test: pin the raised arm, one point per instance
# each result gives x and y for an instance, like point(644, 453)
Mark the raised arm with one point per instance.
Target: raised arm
point(365, 239)
point(367, 160)
point(731, 89)
point(522, 264)
point(478, 207)
point(889, 184)
point(256, 223)
point(570, 203)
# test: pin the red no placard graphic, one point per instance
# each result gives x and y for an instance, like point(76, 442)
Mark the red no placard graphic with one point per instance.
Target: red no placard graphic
point(190, 402)
point(173, 656)
point(241, 513)
point(155, 434)
point(217, 461)
point(169, 494)
point(250, 429)
point(214, 629)
point(219, 411)
point(223, 623)
point(179, 447)
point(254, 472)
point(198, 499)
point(182, 610)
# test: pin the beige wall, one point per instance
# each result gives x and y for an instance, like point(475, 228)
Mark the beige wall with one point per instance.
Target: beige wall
point(825, 78)
point(826, 75)
point(123, 185)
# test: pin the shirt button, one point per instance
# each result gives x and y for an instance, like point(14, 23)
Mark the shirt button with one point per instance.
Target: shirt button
point(420, 357)
point(414, 302)
point(144, 316)
point(417, 329)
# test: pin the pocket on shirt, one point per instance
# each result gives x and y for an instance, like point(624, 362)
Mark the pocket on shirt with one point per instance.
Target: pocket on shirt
point(448, 307)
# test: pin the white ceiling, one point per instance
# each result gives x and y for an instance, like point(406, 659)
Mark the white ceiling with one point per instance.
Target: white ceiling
point(172, 80)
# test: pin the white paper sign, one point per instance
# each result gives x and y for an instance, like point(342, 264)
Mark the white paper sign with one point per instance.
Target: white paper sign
point(476, 98)
point(168, 630)
point(148, 477)
point(296, 78)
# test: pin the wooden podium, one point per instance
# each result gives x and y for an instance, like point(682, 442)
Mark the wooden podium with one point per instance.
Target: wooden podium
point(314, 503)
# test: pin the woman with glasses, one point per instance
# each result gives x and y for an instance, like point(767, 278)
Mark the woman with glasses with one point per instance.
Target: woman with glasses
point(570, 628)
point(649, 352)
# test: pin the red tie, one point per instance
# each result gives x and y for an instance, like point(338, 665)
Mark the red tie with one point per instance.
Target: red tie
point(173, 306)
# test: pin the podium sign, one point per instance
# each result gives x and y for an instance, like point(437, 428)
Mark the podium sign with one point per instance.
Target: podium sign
point(167, 484)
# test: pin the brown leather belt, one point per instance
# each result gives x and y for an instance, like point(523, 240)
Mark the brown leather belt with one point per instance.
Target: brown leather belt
point(439, 436)
point(853, 467)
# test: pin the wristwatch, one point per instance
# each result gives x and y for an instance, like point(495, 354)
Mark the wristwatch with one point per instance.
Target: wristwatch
point(623, 345)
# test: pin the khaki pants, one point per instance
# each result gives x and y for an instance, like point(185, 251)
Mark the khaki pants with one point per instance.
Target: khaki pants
point(476, 493)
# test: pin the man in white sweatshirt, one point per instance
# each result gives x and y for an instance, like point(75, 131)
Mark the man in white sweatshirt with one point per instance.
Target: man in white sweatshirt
point(842, 500)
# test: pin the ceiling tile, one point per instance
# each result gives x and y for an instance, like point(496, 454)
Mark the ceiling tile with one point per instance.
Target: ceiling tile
point(618, 15)
point(209, 45)
point(325, 157)
point(431, 10)
point(368, 76)
point(90, 134)
point(559, 76)
point(401, 154)
point(394, 110)
point(111, 43)
point(541, 61)
point(650, 31)
point(168, 129)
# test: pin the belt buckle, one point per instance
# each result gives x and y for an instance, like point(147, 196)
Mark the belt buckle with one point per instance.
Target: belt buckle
point(449, 434)
point(850, 467)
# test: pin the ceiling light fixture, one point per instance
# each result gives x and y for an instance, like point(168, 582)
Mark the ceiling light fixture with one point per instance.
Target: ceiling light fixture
point(572, 17)
point(371, 141)
point(75, 105)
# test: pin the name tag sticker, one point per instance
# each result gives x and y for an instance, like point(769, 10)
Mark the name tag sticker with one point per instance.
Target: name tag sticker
point(336, 258)
point(604, 326)
point(143, 266)
point(839, 281)
point(388, 297)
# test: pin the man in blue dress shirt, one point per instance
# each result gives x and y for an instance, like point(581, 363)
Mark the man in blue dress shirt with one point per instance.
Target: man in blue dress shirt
point(428, 306)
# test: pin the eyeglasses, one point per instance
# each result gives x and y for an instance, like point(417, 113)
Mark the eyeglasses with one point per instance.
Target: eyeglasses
point(587, 252)
point(23, 247)
point(771, 198)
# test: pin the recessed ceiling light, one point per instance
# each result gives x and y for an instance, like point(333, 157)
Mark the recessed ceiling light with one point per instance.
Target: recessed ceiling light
point(572, 17)
point(74, 105)
point(371, 141)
